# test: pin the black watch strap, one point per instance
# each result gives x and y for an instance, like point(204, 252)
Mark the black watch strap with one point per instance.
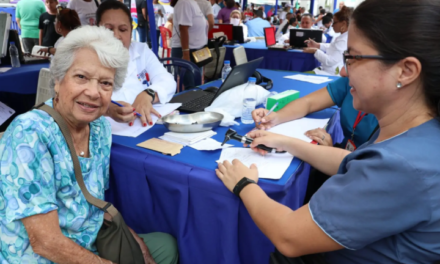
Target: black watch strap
point(152, 93)
point(241, 184)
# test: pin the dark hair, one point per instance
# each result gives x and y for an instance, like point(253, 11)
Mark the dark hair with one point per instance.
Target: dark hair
point(291, 21)
point(258, 13)
point(69, 19)
point(326, 20)
point(112, 5)
point(405, 28)
point(330, 15)
point(230, 3)
point(322, 11)
point(344, 14)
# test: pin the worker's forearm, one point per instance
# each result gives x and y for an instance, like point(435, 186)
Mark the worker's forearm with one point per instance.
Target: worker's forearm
point(184, 38)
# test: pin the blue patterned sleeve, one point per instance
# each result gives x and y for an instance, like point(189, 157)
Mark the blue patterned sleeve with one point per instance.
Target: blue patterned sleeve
point(107, 144)
point(27, 185)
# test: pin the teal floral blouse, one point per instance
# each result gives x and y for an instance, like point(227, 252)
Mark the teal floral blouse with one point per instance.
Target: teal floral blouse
point(37, 176)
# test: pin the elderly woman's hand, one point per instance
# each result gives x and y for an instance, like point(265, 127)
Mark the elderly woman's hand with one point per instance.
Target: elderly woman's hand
point(231, 173)
point(144, 106)
point(321, 136)
point(125, 114)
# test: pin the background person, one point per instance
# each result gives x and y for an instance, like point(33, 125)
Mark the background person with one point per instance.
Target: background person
point(381, 204)
point(159, 13)
point(225, 13)
point(206, 9)
point(147, 82)
point(237, 21)
point(329, 55)
point(86, 10)
point(215, 9)
point(27, 15)
point(48, 35)
point(256, 26)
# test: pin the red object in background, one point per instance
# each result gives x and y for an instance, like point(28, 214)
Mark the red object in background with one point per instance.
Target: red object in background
point(165, 34)
point(269, 35)
point(227, 29)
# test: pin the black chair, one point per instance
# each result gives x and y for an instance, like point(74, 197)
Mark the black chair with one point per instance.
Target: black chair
point(179, 68)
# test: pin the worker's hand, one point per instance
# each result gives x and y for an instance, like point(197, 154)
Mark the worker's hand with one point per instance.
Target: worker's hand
point(186, 56)
point(262, 121)
point(287, 41)
point(231, 173)
point(321, 136)
point(269, 139)
point(311, 43)
point(144, 106)
point(44, 52)
point(310, 50)
point(125, 114)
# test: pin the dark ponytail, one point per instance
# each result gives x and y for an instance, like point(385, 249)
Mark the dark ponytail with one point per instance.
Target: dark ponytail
point(405, 28)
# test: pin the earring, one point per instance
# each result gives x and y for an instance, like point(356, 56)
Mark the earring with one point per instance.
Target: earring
point(56, 98)
point(399, 85)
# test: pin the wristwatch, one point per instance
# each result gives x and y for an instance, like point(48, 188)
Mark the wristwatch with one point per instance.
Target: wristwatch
point(152, 93)
point(241, 184)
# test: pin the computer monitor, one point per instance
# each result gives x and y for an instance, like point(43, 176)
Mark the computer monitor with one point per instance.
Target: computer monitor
point(298, 36)
point(5, 25)
point(269, 36)
point(225, 28)
point(237, 33)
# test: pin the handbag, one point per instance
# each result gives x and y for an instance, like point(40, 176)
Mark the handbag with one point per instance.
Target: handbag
point(114, 242)
point(199, 57)
point(215, 44)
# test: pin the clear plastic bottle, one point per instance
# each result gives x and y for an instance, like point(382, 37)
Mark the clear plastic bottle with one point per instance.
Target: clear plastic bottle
point(226, 70)
point(13, 51)
point(249, 101)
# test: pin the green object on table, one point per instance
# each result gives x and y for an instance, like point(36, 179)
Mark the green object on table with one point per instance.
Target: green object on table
point(282, 98)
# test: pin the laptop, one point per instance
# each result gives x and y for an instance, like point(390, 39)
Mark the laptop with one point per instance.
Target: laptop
point(226, 29)
point(197, 100)
point(298, 36)
point(271, 41)
point(24, 59)
point(237, 34)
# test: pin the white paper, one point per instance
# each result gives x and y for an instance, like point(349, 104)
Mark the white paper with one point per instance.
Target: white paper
point(5, 69)
point(187, 138)
point(123, 129)
point(297, 128)
point(270, 166)
point(5, 112)
point(209, 144)
point(309, 78)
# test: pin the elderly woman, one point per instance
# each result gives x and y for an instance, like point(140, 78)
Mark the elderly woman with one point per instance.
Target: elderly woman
point(236, 21)
point(44, 217)
point(382, 203)
point(147, 81)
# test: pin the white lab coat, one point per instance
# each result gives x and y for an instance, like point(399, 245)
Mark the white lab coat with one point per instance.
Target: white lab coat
point(143, 60)
point(330, 55)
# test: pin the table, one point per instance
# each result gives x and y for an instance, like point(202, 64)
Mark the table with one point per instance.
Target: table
point(18, 88)
point(181, 195)
point(291, 60)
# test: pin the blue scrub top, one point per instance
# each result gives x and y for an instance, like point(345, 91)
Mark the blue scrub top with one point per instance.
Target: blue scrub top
point(256, 27)
point(383, 205)
point(339, 91)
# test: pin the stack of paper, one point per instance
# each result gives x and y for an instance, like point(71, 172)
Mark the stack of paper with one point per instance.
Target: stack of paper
point(309, 78)
point(209, 144)
point(5, 112)
point(122, 129)
point(297, 128)
point(187, 138)
point(270, 166)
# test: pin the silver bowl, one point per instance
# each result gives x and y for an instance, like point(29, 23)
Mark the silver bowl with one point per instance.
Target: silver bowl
point(191, 123)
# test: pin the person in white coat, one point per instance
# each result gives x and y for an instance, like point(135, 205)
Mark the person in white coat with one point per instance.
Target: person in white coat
point(306, 23)
point(147, 82)
point(330, 55)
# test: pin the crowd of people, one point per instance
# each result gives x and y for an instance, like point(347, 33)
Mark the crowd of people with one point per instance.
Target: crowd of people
point(373, 198)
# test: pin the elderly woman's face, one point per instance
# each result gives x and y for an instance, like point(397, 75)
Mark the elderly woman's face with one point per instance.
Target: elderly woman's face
point(118, 22)
point(85, 92)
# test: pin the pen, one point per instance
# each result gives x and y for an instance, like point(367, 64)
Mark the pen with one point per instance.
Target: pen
point(118, 104)
point(270, 111)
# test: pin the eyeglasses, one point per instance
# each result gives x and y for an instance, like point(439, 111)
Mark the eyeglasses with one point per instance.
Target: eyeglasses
point(347, 57)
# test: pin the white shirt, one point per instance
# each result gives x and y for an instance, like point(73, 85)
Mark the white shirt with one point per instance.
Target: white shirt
point(86, 11)
point(330, 55)
point(188, 13)
point(215, 9)
point(283, 15)
point(280, 28)
point(60, 39)
point(159, 20)
point(143, 60)
point(205, 7)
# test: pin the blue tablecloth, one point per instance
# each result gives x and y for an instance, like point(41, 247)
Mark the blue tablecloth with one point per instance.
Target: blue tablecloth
point(22, 80)
point(292, 60)
point(181, 195)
